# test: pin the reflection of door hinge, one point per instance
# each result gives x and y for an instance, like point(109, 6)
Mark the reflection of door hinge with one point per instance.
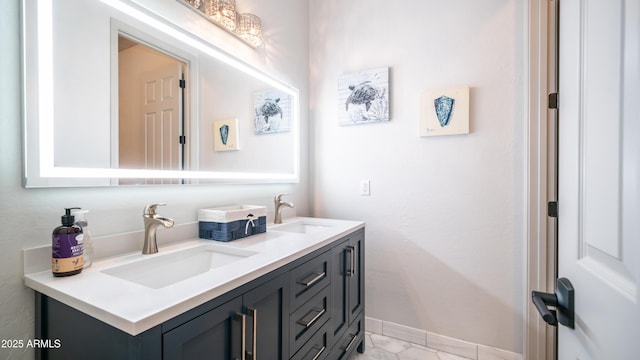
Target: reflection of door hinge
point(183, 139)
point(552, 209)
point(553, 101)
point(183, 83)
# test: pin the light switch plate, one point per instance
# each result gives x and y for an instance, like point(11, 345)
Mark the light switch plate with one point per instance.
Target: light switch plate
point(365, 187)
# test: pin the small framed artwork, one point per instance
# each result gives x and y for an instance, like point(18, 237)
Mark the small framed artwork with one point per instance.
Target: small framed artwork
point(225, 135)
point(272, 111)
point(363, 97)
point(445, 112)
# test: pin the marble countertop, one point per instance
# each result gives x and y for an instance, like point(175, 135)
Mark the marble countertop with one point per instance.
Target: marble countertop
point(134, 308)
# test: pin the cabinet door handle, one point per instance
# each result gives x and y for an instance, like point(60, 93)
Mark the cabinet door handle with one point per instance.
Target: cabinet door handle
point(317, 278)
point(355, 336)
point(316, 317)
point(254, 314)
point(322, 349)
point(243, 327)
point(351, 271)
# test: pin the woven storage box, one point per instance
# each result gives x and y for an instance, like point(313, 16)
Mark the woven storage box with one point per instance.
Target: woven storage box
point(232, 222)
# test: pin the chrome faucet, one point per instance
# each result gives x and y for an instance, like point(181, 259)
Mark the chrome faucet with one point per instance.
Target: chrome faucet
point(151, 223)
point(278, 206)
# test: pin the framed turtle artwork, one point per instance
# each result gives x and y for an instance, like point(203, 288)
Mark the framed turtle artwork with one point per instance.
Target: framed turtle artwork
point(272, 111)
point(444, 112)
point(363, 97)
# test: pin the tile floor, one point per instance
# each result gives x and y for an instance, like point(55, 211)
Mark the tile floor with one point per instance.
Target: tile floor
point(379, 347)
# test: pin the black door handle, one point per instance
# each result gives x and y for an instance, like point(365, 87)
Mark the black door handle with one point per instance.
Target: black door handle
point(562, 300)
point(541, 300)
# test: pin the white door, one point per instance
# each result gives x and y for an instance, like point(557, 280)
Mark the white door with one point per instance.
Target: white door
point(599, 176)
point(162, 119)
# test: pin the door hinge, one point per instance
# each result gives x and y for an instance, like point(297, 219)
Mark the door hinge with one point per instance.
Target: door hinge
point(552, 209)
point(183, 83)
point(183, 139)
point(553, 101)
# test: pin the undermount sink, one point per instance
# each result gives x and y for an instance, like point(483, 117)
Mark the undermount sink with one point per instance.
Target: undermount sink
point(164, 270)
point(301, 226)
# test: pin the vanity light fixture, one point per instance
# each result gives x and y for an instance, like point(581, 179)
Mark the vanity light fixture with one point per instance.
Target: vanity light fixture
point(247, 27)
point(227, 14)
point(211, 10)
point(194, 3)
point(250, 29)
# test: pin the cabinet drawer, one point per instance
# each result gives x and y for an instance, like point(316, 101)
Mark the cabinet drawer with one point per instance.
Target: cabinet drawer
point(348, 343)
point(304, 322)
point(309, 278)
point(317, 348)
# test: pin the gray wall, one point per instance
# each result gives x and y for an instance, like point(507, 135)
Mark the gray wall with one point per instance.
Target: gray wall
point(445, 219)
point(27, 216)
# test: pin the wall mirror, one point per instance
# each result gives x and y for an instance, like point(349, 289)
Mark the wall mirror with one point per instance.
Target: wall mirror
point(116, 94)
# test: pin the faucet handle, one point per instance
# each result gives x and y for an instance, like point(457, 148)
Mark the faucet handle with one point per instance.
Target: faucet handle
point(278, 198)
point(151, 209)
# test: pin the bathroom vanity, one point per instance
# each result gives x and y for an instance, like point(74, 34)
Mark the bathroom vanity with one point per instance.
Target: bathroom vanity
point(294, 292)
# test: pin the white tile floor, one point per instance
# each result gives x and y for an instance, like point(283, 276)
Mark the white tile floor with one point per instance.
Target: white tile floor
point(379, 347)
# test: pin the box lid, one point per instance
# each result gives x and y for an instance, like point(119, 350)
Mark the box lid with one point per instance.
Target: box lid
point(231, 213)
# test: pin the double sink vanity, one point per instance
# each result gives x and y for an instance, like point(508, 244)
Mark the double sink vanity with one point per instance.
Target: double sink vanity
point(293, 292)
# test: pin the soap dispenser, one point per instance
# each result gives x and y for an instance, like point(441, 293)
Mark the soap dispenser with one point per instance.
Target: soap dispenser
point(67, 247)
point(87, 243)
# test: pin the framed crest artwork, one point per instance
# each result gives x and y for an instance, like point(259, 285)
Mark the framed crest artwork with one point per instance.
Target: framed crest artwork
point(444, 112)
point(363, 97)
point(225, 135)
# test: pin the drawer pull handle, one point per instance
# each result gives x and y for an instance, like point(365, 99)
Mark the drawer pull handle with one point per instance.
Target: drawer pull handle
point(310, 322)
point(351, 271)
point(319, 353)
point(317, 278)
point(355, 336)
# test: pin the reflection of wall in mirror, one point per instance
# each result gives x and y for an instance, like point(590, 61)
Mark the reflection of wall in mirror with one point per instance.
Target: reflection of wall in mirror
point(225, 92)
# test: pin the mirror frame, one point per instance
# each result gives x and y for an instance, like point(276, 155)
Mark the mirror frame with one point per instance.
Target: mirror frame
point(38, 122)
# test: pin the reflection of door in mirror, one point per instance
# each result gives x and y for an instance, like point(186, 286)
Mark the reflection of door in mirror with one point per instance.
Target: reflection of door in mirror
point(151, 118)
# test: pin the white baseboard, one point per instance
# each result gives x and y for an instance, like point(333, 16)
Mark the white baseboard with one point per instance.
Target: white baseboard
point(438, 342)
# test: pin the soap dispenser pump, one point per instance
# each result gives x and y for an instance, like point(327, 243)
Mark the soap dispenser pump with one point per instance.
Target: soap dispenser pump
point(80, 216)
point(67, 247)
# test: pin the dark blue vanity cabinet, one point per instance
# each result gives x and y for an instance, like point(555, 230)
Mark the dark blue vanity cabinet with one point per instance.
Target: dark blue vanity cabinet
point(309, 309)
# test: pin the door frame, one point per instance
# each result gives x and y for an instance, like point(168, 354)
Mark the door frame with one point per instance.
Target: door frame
point(540, 174)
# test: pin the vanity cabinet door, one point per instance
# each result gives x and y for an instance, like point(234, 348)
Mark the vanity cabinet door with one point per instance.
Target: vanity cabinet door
point(339, 317)
point(355, 275)
point(216, 334)
point(255, 324)
point(267, 311)
point(347, 283)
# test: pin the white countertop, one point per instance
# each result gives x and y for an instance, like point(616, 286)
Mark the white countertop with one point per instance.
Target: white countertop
point(135, 308)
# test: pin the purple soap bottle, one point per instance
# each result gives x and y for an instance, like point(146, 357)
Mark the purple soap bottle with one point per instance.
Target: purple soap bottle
point(67, 247)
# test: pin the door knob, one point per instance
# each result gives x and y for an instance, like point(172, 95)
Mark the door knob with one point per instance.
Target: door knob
point(562, 300)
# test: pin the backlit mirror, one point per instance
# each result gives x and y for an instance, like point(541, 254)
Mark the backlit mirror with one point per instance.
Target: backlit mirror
point(115, 94)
